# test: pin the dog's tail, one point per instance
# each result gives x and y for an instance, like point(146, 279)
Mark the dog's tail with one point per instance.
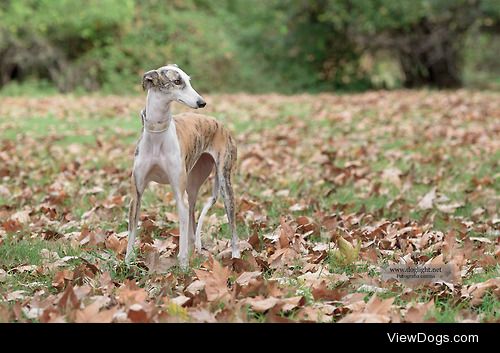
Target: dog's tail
point(210, 202)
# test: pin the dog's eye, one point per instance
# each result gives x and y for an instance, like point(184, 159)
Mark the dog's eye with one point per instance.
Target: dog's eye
point(177, 82)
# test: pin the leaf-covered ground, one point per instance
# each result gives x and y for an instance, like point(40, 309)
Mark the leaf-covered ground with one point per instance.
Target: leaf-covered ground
point(405, 177)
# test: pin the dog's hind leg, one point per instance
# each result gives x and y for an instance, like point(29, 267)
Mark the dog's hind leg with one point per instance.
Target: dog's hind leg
point(192, 220)
point(197, 176)
point(210, 202)
point(228, 196)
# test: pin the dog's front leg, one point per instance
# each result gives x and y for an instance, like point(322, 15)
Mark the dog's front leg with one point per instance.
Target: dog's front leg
point(179, 190)
point(138, 186)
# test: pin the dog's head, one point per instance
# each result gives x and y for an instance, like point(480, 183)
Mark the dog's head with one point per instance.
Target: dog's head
point(175, 84)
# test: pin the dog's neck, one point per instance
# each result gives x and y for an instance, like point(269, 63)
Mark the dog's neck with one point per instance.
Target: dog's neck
point(157, 115)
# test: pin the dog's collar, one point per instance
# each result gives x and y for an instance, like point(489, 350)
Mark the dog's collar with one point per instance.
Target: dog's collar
point(154, 127)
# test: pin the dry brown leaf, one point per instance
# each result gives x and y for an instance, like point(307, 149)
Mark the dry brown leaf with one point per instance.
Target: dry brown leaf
point(215, 282)
point(246, 277)
point(427, 201)
point(91, 314)
point(418, 311)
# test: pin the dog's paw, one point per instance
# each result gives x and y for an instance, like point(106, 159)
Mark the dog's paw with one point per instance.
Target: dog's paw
point(197, 248)
point(183, 263)
point(128, 259)
point(235, 254)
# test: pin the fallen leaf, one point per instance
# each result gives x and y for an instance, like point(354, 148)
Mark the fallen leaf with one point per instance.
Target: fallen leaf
point(91, 314)
point(427, 201)
point(417, 311)
point(246, 277)
point(215, 281)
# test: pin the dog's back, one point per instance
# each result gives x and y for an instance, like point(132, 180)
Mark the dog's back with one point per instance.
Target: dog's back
point(199, 134)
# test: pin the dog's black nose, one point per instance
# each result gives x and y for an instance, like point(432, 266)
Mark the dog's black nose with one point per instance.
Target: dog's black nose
point(201, 103)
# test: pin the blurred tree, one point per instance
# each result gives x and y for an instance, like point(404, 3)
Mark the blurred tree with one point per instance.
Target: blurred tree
point(322, 48)
point(427, 35)
point(50, 39)
point(255, 46)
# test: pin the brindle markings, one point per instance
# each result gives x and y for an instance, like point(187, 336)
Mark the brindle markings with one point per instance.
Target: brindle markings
point(196, 135)
point(170, 76)
point(227, 188)
point(162, 80)
point(133, 213)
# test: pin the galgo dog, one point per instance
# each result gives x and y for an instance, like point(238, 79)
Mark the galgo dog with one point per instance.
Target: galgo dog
point(182, 151)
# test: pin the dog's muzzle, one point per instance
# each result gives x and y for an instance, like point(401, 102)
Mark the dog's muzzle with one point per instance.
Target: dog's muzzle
point(201, 103)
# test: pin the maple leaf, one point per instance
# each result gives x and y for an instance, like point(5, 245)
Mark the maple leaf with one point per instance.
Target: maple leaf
point(136, 313)
point(246, 277)
point(115, 244)
point(23, 217)
point(478, 290)
point(260, 304)
point(16, 295)
point(157, 263)
point(321, 291)
point(130, 294)
point(61, 277)
point(202, 315)
point(215, 281)
point(376, 310)
point(427, 201)
point(69, 300)
point(418, 311)
point(195, 287)
point(91, 314)
point(286, 233)
point(181, 300)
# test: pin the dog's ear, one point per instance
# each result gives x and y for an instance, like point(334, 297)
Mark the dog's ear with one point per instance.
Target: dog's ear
point(150, 79)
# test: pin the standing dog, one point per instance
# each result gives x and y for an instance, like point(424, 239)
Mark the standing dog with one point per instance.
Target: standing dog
point(181, 151)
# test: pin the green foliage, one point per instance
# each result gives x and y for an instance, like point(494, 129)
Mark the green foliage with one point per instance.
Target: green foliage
point(426, 36)
point(321, 49)
point(482, 69)
point(65, 18)
point(162, 34)
point(56, 39)
point(228, 45)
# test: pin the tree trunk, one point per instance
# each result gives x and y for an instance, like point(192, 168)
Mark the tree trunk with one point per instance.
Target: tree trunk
point(433, 58)
point(439, 68)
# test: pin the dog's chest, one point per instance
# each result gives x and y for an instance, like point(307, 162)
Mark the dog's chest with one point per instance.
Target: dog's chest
point(159, 156)
point(158, 174)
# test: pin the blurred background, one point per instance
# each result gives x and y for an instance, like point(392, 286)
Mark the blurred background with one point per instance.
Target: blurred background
point(284, 46)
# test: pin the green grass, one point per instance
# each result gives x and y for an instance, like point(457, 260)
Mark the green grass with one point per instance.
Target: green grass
point(15, 253)
point(490, 308)
point(80, 130)
point(490, 272)
point(446, 311)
